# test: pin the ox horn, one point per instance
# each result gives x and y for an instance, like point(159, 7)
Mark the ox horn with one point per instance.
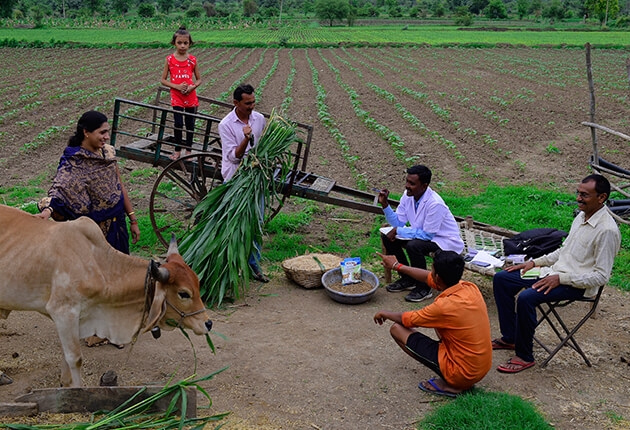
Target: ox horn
point(159, 273)
point(172, 247)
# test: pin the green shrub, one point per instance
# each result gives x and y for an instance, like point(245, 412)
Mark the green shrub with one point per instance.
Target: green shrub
point(495, 10)
point(146, 10)
point(623, 21)
point(195, 11)
point(463, 16)
point(439, 10)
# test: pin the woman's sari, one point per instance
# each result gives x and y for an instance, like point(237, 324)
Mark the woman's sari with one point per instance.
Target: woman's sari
point(87, 185)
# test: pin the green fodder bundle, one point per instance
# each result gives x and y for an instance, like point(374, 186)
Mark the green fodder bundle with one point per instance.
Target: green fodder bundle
point(230, 217)
point(136, 413)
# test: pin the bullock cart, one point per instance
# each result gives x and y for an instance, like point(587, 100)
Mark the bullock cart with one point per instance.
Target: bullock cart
point(144, 132)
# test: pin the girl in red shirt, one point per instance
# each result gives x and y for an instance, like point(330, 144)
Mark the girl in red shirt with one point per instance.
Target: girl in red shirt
point(182, 66)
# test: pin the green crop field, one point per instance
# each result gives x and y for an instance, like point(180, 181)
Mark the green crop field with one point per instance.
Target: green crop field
point(301, 36)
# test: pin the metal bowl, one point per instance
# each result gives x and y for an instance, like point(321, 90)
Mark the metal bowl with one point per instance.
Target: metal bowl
point(333, 276)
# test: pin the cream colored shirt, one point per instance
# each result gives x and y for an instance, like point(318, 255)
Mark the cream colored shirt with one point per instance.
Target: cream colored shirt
point(586, 258)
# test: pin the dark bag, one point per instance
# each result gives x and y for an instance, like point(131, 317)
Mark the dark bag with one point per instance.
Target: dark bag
point(534, 243)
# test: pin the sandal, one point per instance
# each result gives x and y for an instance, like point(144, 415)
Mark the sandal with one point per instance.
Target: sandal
point(520, 366)
point(499, 343)
point(436, 390)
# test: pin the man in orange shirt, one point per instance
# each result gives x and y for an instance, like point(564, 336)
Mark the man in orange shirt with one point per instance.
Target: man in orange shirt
point(463, 355)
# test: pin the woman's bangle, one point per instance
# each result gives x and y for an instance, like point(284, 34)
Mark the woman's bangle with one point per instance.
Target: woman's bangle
point(396, 266)
point(133, 221)
point(131, 213)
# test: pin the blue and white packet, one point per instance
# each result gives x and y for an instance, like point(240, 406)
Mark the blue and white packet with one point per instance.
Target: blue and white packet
point(351, 271)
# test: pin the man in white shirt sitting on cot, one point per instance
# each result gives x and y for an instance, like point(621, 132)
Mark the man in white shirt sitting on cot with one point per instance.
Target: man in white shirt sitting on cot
point(431, 227)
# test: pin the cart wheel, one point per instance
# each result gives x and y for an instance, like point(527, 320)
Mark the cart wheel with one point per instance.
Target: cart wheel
point(177, 191)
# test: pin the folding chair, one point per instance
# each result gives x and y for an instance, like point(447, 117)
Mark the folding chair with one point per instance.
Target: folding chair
point(550, 311)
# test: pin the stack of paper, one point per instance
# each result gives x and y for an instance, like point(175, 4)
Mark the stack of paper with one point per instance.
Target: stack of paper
point(482, 258)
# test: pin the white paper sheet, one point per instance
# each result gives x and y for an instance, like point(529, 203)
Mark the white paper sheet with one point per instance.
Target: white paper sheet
point(484, 257)
point(388, 228)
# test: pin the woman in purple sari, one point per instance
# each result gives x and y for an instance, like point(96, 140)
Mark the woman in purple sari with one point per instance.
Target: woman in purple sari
point(88, 184)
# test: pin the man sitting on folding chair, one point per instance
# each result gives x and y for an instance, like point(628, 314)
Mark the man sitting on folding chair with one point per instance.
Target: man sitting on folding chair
point(575, 270)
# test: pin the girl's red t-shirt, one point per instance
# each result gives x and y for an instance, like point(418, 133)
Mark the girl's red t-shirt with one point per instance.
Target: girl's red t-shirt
point(182, 72)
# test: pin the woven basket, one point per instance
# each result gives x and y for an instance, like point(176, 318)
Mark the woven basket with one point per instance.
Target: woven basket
point(304, 270)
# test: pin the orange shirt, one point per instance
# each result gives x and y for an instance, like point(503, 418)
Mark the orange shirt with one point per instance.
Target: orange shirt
point(460, 318)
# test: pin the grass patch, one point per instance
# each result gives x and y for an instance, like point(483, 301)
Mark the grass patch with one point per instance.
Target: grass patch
point(148, 245)
point(485, 410)
point(143, 176)
point(23, 197)
point(516, 208)
point(287, 235)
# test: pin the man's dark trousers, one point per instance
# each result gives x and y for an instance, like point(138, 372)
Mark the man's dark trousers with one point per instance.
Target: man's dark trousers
point(518, 324)
point(417, 249)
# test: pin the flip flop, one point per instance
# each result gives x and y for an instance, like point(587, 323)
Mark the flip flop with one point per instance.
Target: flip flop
point(437, 391)
point(499, 343)
point(522, 366)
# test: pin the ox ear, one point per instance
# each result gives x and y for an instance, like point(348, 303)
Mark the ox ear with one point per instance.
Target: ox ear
point(172, 247)
point(161, 274)
point(158, 308)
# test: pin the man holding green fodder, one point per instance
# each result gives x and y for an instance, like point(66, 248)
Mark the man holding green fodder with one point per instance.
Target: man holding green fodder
point(230, 220)
point(240, 131)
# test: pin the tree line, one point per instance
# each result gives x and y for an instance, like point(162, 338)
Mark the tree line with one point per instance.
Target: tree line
point(328, 11)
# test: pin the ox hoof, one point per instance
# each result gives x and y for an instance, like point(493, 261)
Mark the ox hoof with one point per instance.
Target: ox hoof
point(4, 379)
point(109, 379)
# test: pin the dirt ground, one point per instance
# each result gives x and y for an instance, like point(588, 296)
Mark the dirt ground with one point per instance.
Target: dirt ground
point(297, 359)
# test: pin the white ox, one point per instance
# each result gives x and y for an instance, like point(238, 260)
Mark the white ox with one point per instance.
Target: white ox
point(68, 272)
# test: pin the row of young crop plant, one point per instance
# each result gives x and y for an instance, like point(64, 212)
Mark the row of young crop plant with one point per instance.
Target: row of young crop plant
point(146, 93)
point(86, 97)
point(288, 89)
point(328, 121)
point(443, 114)
point(438, 110)
point(384, 132)
point(608, 69)
point(415, 122)
point(260, 88)
point(465, 100)
point(225, 96)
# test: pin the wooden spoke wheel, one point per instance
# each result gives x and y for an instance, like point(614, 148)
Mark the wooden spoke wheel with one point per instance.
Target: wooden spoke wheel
point(177, 191)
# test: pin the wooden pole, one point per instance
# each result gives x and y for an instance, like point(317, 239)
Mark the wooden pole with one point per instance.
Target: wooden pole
point(591, 88)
